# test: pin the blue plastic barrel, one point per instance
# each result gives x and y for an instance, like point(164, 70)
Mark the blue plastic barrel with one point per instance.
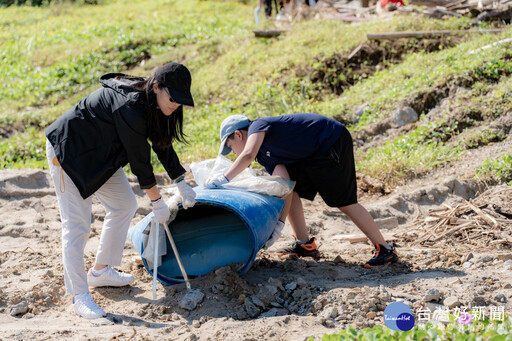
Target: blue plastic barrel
point(224, 227)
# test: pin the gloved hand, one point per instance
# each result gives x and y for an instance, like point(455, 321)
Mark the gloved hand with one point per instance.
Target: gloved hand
point(216, 181)
point(188, 195)
point(275, 235)
point(161, 211)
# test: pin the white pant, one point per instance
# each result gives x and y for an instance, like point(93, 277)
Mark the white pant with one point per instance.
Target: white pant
point(120, 204)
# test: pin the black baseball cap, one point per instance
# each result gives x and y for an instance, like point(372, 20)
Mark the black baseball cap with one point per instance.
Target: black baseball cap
point(176, 78)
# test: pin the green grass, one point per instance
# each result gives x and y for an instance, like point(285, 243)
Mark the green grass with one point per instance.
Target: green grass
point(499, 169)
point(56, 54)
point(26, 150)
point(436, 143)
point(410, 154)
point(56, 51)
point(494, 330)
point(482, 138)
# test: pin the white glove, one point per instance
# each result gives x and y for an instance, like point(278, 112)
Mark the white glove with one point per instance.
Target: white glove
point(216, 181)
point(275, 235)
point(161, 211)
point(188, 195)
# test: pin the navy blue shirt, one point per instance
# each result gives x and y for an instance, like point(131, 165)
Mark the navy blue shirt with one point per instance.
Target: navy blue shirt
point(295, 137)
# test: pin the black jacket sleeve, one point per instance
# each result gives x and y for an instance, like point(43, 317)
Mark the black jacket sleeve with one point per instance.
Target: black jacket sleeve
point(170, 161)
point(131, 127)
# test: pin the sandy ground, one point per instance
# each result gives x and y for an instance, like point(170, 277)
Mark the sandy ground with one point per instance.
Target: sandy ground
point(276, 300)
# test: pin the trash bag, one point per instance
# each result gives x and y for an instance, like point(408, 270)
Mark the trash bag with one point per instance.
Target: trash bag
point(148, 240)
point(247, 180)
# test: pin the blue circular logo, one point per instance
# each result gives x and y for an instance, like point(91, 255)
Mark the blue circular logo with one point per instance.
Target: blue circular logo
point(398, 316)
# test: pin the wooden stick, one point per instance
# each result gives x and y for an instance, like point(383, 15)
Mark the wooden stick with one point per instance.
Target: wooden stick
point(426, 34)
point(353, 53)
point(452, 220)
point(483, 215)
point(450, 232)
point(467, 235)
point(437, 209)
point(444, 221)
point(448, 206)
point(504, 241)
point(422, 237)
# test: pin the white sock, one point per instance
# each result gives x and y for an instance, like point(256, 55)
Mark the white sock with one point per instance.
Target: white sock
point(78, 296)
point(99, 272)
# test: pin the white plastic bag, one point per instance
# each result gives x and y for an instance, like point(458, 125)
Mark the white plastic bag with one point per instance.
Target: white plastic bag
point(246, 181)
point(148, 243)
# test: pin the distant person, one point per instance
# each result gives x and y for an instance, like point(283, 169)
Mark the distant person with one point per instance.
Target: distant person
point(86, 150)
point(317, 153)
point(267, 7)
point(279, 5)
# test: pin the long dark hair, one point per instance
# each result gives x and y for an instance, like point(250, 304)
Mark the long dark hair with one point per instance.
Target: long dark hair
point(162, 130)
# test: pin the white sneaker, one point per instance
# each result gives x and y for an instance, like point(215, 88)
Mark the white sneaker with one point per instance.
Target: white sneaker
point(84, 306)
point(109, 278)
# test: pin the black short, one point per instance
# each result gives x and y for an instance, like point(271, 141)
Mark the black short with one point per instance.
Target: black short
point(333, 176)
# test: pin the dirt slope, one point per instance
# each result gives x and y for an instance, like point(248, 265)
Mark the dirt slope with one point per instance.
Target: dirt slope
point(277, 299)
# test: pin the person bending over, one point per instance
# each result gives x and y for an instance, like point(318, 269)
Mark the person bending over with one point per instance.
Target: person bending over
point(317, 153)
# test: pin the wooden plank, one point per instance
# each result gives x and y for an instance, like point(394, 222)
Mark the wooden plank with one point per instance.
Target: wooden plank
point(360, 238)
point(427, 34)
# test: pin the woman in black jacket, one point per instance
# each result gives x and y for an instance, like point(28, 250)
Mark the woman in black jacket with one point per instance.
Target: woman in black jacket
point(87, 148)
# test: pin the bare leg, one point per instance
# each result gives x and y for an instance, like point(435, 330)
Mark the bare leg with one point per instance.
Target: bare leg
point(296, 217)
point(293, 209)
point(364, 221)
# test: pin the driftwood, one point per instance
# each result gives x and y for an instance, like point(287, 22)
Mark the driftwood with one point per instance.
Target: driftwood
point(484, 10)
point(478, 222)
point(433, 3)
point(438, 13)
point(475, 4)
point(427, 34)
point(504, 15)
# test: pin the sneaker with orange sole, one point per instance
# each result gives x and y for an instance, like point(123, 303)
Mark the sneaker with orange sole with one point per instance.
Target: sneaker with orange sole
point(297, 249)
point(382, 257)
